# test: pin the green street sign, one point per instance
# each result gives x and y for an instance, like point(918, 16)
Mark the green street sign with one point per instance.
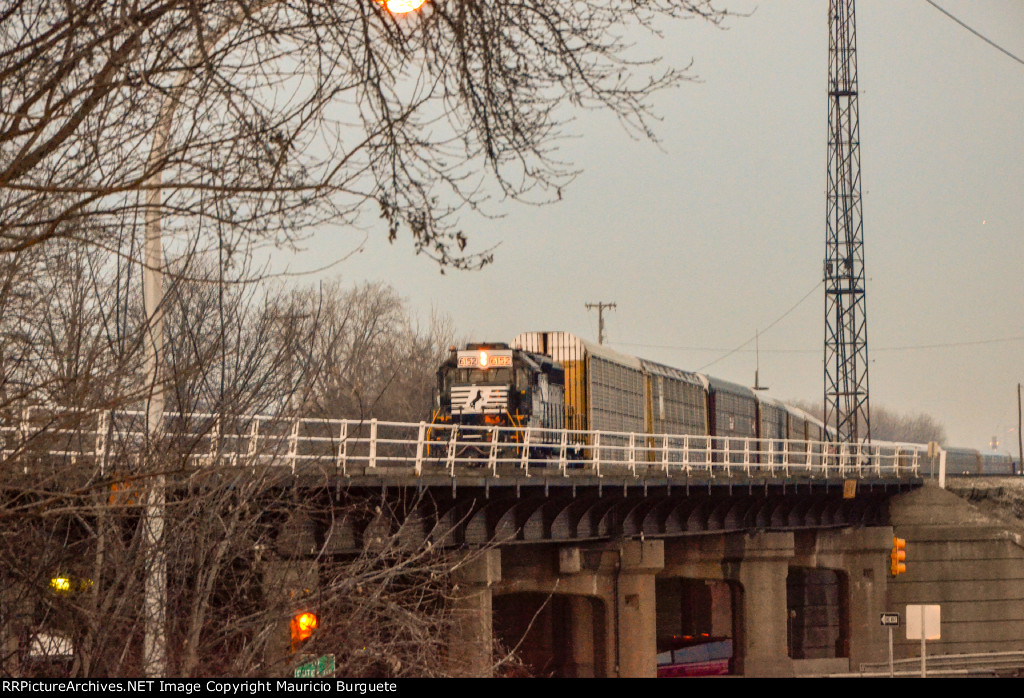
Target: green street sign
point(318, 668)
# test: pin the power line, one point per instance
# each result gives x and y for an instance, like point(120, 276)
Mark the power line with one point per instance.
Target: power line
point(774, 323)
point(976, 33)
point(906, 347)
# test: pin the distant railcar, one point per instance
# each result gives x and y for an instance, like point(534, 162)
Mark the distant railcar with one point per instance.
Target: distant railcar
point(996, 464)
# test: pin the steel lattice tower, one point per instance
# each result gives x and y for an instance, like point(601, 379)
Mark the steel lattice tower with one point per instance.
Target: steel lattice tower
point(846, 335)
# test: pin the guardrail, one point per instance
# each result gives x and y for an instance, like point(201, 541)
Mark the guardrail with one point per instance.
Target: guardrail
point(949, 665)
point(368, 445)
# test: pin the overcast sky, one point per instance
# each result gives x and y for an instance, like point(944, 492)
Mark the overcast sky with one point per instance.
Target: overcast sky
point(719, 230)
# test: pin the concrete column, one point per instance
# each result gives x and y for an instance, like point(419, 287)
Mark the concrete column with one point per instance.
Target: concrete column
point(582, 619)
point(760, 563)
point(636, 619)
point(863, 557)
point(471, 644)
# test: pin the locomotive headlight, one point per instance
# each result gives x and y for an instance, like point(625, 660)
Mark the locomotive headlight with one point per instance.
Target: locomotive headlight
point(483, 359)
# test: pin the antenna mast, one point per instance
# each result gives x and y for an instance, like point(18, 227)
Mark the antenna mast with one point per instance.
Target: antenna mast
point(846, 336)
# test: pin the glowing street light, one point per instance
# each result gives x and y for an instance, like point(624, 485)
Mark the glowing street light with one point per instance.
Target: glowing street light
point(400, 7)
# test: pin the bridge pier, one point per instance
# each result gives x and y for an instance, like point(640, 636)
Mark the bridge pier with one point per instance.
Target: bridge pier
point(791, 603)
point(759, 563)
point(636, 604)
point(471, 648)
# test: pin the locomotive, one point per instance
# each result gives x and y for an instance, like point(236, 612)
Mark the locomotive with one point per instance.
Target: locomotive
point(494, 384)
point(556, 380)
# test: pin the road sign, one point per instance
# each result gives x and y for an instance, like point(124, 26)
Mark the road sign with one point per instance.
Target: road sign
point(924, 622)
point(849, 489)
point(890, 619)
point(318, 668)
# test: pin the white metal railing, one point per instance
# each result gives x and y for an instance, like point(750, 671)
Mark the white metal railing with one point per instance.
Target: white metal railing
point(947, 664)
point(418, 447)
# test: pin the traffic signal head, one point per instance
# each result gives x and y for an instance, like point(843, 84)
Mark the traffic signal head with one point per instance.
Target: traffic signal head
point(898, 556)
point(302, 626)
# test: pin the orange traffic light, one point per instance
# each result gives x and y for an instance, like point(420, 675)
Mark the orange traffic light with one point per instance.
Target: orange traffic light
point(302, 626)
point(401, 7)
point(898, 556)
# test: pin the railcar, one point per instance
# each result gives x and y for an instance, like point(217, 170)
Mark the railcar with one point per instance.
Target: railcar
point(773, 429)
point(732, 410)
point(604, 390)
point(959, 461)
point(997, 464)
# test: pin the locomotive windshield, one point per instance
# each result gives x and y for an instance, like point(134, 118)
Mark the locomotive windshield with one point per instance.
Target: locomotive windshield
point(476, 375)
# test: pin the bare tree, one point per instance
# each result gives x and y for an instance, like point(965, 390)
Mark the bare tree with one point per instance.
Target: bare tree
point(246, 545)
point(212, 128)
point(371, 358)
point(888, 425)
point(251, 120)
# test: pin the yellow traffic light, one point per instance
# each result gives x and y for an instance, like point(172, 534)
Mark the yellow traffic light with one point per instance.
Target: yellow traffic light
point(898, 556)
point(302, 626)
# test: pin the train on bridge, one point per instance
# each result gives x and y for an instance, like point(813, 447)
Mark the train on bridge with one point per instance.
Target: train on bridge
point(556, 380)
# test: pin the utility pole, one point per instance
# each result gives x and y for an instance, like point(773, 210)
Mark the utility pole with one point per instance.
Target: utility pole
point(847, 408)
point(1020, 439)
point(600, 317)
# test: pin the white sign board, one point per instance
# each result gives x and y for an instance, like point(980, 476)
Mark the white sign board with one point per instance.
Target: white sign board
point(926, 616)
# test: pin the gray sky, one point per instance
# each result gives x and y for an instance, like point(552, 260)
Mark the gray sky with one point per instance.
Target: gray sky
point(718, 231)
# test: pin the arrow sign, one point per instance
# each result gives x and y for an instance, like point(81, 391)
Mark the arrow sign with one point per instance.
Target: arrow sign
point(890, 619)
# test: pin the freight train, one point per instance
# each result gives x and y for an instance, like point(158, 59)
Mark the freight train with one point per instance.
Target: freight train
point(555, 380)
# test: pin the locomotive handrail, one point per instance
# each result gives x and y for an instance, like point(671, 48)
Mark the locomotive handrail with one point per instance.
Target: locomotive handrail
point(417, 447)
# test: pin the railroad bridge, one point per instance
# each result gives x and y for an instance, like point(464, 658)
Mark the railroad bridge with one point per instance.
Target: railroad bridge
point(590, 553)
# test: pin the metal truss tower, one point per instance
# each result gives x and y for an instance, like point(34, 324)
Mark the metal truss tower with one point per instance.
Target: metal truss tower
point(846, 335)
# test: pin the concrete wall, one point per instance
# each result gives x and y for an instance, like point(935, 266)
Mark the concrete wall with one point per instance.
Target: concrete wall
point(969, 564)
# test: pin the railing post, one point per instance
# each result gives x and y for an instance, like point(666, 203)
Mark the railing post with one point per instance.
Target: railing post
point(420, 443)
point(524, 460)
point(492, 456)
point(293, 445)
point(341, 461)
point(25, 428)
point(664, 453)
point(373, 444)
point(686, 454)
point(631, 458)
point(214, 441)
point(452, 444)
point(564, 446)
point(100, 451)
point(254, 438)
point(596, 456)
